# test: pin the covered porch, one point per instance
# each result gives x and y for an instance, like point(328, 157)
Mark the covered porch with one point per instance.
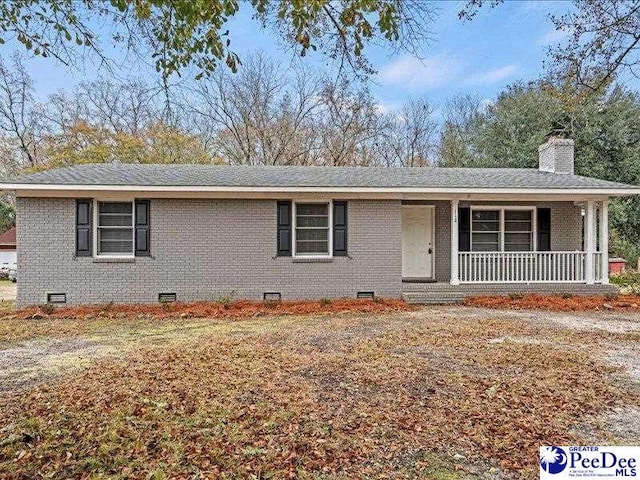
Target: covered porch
point(525, 242)
point(539, 263)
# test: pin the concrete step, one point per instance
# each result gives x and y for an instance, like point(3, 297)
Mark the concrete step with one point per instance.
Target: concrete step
point(432, 298)
point(442, 293)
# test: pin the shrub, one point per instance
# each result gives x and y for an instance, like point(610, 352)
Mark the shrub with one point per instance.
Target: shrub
point(47, 308)
point(626, 278)
point(624, 247)
point(228, 299)
point(325, 302)
point(567, 295)
point(611, 296)
point(516, 296)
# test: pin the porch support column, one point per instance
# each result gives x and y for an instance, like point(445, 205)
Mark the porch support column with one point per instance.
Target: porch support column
point(589, 234)
point(604, 241)
point(455, 279)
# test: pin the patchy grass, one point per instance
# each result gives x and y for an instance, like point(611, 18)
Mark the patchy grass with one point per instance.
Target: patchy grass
point(7, 307)
point(562, 303)
point(342, 396)
point(48, 322)
point(14, 330)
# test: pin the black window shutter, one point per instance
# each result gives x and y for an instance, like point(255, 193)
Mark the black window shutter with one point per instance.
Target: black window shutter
point(284, 229)
point(340, 229)
point(544, 229)
point(143, 231)
point(464, 229)
point(84, 227)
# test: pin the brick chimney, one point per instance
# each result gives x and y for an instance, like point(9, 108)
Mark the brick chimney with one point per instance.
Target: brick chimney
point(556, 154)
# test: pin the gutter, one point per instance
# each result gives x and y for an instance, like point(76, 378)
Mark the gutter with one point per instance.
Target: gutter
point(23, 188)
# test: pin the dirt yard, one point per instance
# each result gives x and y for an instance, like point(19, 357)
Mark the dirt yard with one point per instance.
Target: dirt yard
point(7, 291)
point(441, 392)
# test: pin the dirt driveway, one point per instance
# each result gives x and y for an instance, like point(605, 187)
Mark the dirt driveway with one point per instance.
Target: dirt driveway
point(7, 291)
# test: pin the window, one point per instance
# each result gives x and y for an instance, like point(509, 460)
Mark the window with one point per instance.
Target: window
point(518, 231)
point(312, 229)
point(485, 230)
point(502, 229)
point(115, 228)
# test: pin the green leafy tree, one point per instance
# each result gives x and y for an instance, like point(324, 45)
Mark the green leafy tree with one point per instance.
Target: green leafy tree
point(7, 216)
point(182, 33)
point(604, 126)
point(515, 125)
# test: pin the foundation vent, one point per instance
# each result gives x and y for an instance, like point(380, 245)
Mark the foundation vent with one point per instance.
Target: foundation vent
point(272, 296)
point(56, 298)
point(366, 295)
point(166, 297)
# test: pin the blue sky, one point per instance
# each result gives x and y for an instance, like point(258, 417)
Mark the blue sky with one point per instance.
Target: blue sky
point(482, 56)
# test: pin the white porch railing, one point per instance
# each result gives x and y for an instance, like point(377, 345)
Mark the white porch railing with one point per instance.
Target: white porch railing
point(526, 267)
point(597, 267)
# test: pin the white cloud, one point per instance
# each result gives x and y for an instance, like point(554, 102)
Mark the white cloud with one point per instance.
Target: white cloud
point(415, 73)
point(492, 76)
point(552, 37)
point(384, 107)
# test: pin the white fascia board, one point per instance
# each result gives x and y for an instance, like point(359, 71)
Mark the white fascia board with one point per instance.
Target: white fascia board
point(34, 188)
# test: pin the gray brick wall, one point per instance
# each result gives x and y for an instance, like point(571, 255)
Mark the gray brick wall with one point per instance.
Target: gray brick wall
point(442, 266)
point(204, 249)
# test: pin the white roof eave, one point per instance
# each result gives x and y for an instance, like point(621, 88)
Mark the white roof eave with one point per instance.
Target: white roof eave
point(453, 191)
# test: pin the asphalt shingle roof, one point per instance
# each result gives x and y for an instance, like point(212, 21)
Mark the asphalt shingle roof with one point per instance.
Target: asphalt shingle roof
point(285, 176)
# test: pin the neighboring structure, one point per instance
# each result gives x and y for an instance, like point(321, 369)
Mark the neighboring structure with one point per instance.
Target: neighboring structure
point(617, 265)
point(8, 249)
point(143, 233)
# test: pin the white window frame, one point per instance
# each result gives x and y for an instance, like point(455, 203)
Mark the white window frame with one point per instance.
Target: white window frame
point(294, 230)
point(96, 217)
point(501, 209)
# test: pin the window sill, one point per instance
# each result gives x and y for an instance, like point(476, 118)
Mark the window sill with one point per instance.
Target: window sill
point(312, 259)
point(114, 259)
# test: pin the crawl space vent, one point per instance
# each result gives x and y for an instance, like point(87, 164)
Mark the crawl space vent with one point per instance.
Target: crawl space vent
point(272, 296)
point(56, 298)
point(166, 297)
point(367, 295)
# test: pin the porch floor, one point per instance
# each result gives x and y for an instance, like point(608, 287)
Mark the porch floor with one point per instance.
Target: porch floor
point(443, 292)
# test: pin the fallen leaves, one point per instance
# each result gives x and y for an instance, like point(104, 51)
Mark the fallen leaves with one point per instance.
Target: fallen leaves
point(556, 302)
point(237, 309)
point(384, 396)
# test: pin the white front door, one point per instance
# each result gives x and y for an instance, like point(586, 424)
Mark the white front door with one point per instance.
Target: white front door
point(417, 241)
